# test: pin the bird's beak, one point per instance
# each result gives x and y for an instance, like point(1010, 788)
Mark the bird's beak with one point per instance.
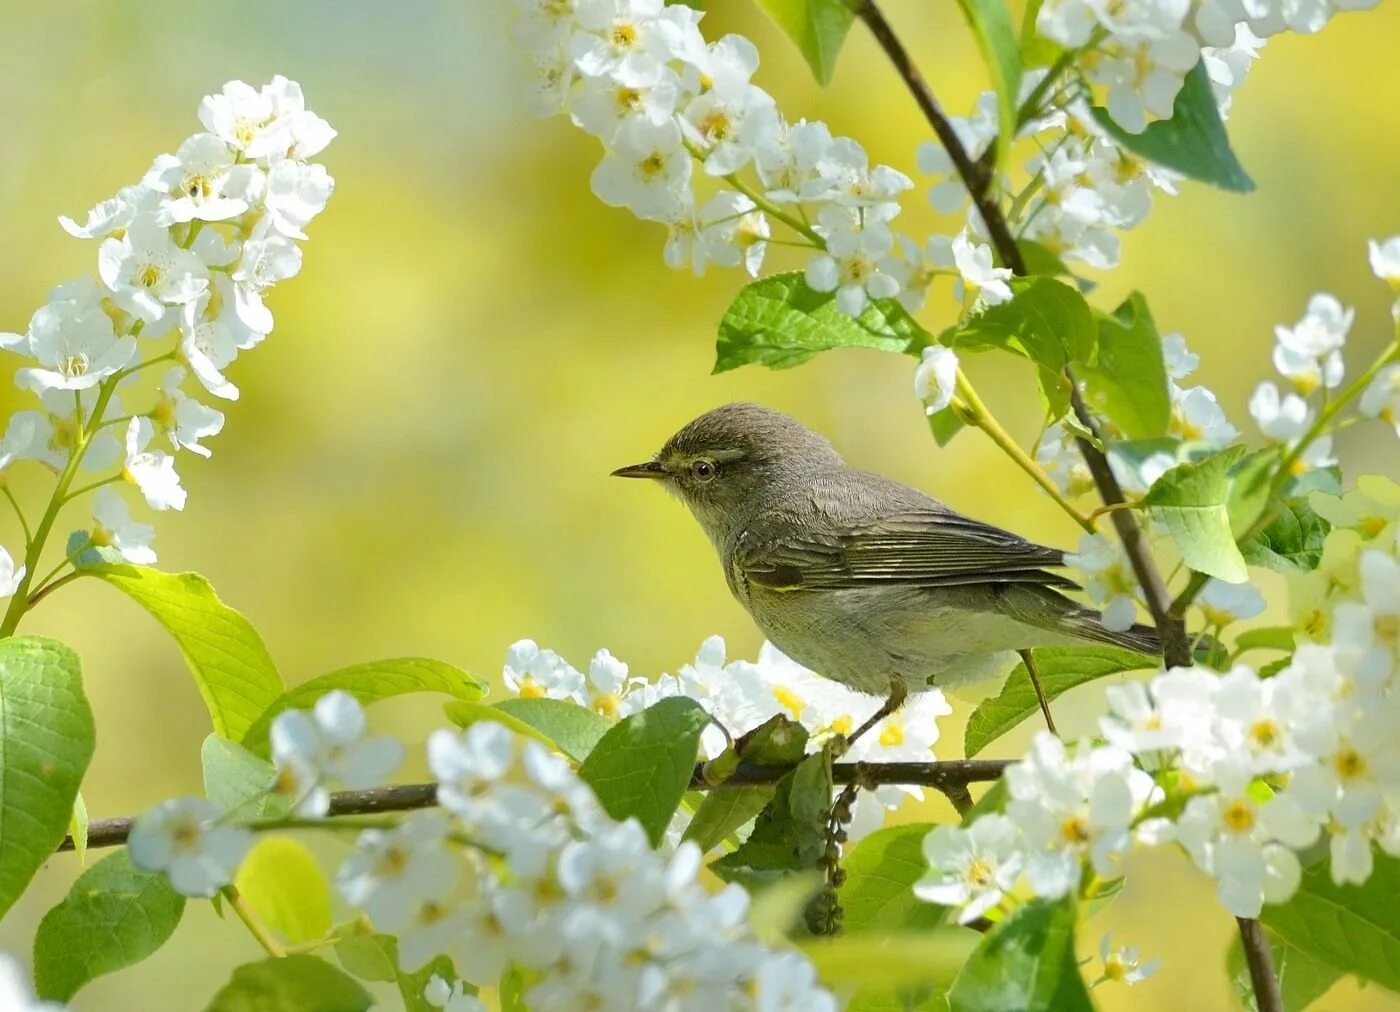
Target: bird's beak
point(651, 469)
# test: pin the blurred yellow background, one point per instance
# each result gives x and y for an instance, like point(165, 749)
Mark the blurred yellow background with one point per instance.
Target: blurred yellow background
point(418, 464)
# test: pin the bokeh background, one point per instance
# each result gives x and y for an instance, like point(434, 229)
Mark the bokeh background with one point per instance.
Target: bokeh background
point(418, 464)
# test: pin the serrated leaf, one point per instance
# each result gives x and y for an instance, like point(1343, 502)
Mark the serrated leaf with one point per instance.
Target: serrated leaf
point(1301, 978)
point(573, 729)
point(1193, 142)
point(368, 683)
point(1025, 962)
point(990, 21)
point(881, 870)
point(239, 781)
point(1128, 381)
point(1060, 669)
point(1291, 542)
point(46, 742)
point(1190, 500)
point(1355, 929)
point(230, 663)
point(301, 982)
point(642, 766)
point(816, 27)
point(790, 833)
point(777, 742)
point(115, 915)
point(283, 883)
point(780, 322)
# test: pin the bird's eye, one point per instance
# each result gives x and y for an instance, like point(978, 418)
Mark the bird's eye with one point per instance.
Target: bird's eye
point(704, 470)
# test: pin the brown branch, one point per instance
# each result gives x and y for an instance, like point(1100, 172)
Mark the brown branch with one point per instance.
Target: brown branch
point(951, 777)
point(1268, 996)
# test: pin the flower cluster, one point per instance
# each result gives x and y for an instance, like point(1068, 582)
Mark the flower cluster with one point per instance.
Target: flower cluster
point(741, 695)
point(1240, 769)
point(185, 259)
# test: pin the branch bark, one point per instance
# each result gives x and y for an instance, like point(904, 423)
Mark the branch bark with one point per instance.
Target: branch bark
point(1171, 629)
point(951, 777)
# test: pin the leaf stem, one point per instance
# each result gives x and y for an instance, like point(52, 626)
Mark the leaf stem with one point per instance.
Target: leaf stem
point(255, 927)
point(24, 524)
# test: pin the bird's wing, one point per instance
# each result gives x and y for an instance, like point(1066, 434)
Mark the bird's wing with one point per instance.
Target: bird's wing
point(918, 547)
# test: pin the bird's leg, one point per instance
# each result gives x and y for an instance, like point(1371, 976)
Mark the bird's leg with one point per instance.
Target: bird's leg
point(899, 692)
point(1034, 674)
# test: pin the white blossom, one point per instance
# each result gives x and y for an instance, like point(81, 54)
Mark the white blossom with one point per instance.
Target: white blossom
point(935, 379)
point(188, 840)
point(151, 471)
point(113, 528)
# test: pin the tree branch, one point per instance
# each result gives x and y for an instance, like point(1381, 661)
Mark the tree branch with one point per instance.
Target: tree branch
point(1171, 629)
point(951, 777)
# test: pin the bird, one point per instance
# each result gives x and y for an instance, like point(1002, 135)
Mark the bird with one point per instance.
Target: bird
point(862, 579)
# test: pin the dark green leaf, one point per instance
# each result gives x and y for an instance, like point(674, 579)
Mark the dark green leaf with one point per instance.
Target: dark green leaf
point(881, 870)
point(1026, 962)
point(239, 781)
point(1128, 382)
point(114, 917)
point(1292, 540)
point(777, 742)
point(1190, 500)
point(1251, 483)
point(990, 21)
point(1060, 669)
point(817, 27)
point(790, 833)
point(227, 657)
point(779, 322)
point(301, 983)
point(1355, 929)
point(1301, 978)
point(945, 425)
point(574, 729)
point(1193, 142)
point(46, 741)
point(642, 766)
point(368, 683)
point(1041, 259)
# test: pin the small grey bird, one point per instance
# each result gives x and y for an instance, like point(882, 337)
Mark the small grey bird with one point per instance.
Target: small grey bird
point(859, 578)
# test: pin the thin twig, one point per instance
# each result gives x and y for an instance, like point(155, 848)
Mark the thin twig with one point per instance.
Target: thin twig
point(1268, 996)
point(1040, 696)
point(950, 776)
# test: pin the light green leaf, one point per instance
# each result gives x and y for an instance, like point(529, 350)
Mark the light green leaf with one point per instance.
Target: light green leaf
point(1251, 483)
point(239, 781)
point(1193, 142)
point(1128, 382)
point(284, 884)
point(230, 664)
point(1060, 669)
point(1026, 962)
point(46, 741)
point(303, 983)
point(777, 742)
point(1277, 637)
point(1041, 259)
point(368, 683)
point(816, 27)
point(990, 21)
point(573, 729)
point(1302, 979)
point(790, 834)
point(373, 957)
point(779, 322)
point(642, 766)
point(881, 870)
point(78, 828)
point(892, 961)
point(776, 909)
point(1355, 929)
point(114, 916)
point(1190, 500)
point(1291, 542)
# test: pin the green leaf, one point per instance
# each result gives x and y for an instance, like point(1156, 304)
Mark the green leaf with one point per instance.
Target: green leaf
point(1301, 978)
point(46, 741)
point(945, 425)
point(643, 765)
point(790, 833)
point(881, 870)
point(990, 21)
point(1128, 382)
point(573, 729)
point(303, 983)
point(1041, 259)
point(114, 916)
point(777, 742)
point(376, 958)
point(239, 781)
point(1355, 929)
point(465, 714)
point(1060, 669)
point(1036, 49)
point(1276, 637)
point(1291, 542)
point(1251, 483)
point(777, 909)
point(78, 828)
point(368, 683)
point(780, 322)
point(1190, 500)
point(282, 881)
point(230, 664)
point(1193, 142)
point(1026, 962)
point(816, 27)
point(891, 961)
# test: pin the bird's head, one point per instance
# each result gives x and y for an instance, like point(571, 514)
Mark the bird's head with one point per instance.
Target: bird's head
point(730, 462)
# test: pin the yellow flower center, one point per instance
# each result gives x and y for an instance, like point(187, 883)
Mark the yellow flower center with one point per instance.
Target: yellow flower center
point(1114, 968)
point(609, 704)
point(392, 862)
point(529, 688)
point(1264, 733)
point(1238, 816)
point(892, 735)
point(1388, 628)
point(789, 700)
point(75, 364)
point(980, 872)
point(101, 536)
point(623, 35)
point(652, 165)
point(1075, 830)
point(1350, 764)
point(148, 276)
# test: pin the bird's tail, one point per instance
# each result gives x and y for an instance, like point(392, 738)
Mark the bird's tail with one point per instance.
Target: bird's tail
point(1139, 637)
